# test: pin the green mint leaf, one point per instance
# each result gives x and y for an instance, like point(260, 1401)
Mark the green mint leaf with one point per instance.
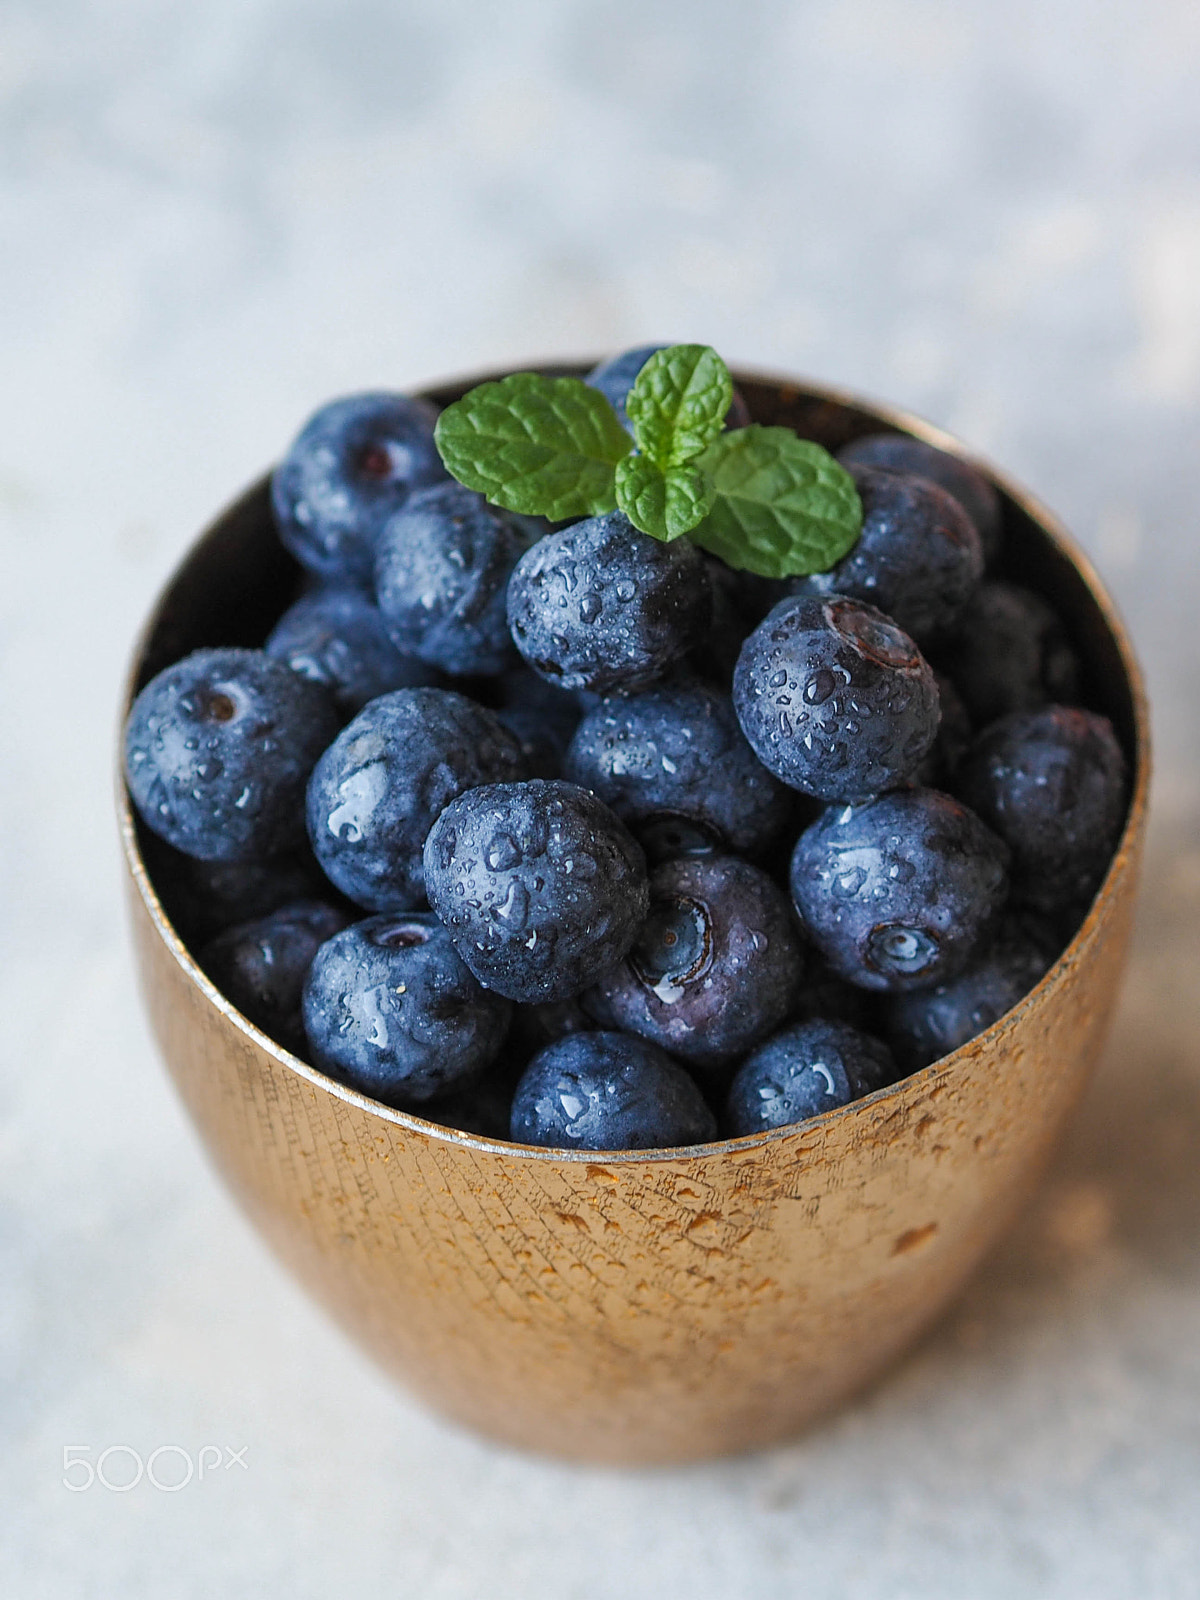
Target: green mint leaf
point(662, 504)
point(678, 403)
point(783, 506)
point(540, 446)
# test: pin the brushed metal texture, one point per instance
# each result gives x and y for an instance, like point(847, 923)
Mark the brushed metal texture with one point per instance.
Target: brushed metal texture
point(657, 1307)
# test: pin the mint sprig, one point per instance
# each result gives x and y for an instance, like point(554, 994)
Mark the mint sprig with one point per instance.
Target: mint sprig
point(762, 499)
point(544, 447)
point(663, 504)
point(782, 506)
point(678, 403)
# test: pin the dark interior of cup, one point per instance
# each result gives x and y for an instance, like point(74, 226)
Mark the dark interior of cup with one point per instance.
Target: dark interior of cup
point(238, 580)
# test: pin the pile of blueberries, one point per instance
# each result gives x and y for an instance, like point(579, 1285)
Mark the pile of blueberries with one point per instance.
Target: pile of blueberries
point(579, 838)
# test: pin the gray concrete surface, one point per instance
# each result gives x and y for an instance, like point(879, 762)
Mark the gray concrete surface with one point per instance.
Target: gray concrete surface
point(213, 217)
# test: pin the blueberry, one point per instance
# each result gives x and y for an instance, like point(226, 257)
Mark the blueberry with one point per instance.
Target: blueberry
point(715, 968)
point(543, 718)
point(521, 689)
point(539, 884)
point(203, 898)
point(378, 789)
point(676, 753)
point(896, 452)
point(953, 740)
point(803, 1070)
point(601, 606)
point(757, 595)
point(261, 966)
point(823, 994)
point(1009, 652)
point(541, 741)
point(441, 577)
point(614, 379)
point(482, 1108)
point(1052, 785)
point(927, 1024)
point(335, 636)
point(536, 1026)
point(715, 656)
point(918, 557)
point(354, 463)
point(666, 837)
point(218, 749)
point(835, 700)
point(391, 1010)
point(606, 1091)
point(900, 892)
point(738, 415)
point(532, 528)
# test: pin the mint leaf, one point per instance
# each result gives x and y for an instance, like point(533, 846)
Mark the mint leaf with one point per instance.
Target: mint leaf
point(783, 506)
point(678, 403)
point(662, 504)
point(540, 446)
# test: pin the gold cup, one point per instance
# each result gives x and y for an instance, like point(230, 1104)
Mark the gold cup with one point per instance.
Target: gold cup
point(642, 1308)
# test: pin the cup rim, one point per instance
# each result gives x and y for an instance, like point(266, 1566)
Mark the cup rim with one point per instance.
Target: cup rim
point(915, 1083)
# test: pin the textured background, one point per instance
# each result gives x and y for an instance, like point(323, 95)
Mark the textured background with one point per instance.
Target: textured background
point(214, 217)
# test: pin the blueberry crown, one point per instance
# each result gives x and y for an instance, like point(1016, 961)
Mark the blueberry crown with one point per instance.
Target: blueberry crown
point(761, 498)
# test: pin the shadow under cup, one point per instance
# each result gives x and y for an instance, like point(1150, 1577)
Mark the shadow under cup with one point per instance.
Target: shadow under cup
point(640, 1308)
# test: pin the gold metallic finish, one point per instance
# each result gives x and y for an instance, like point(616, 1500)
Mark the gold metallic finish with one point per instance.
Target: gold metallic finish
point(641, 1308)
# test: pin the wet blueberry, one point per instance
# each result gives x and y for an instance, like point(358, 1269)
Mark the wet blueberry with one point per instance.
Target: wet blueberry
point(261, 966)
point(483, 1108)
point(1052, 784)
point(1009, 652)
point(218, 749)
point(540, 885)
point(899, 893)
point(835, 699)
point(806, 1068)
point(391, 1010)
point(542, 745)
point(335, 636)
point(715, 656)
point(536, 1026)
point(896, 452)
point(715, 968)
point(666, 837)
point(521, 689)
point(606, 1091)
point(557, 709)
point(953, 740)
point(918, 558)
point(378, 789)
point(676, 754)
point(601, 606)
point(757, 595)
point(441, 577)
point(927, 1024)
point(203, 898)
point(824, 994)
point(354, 463)
point(543, 717)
